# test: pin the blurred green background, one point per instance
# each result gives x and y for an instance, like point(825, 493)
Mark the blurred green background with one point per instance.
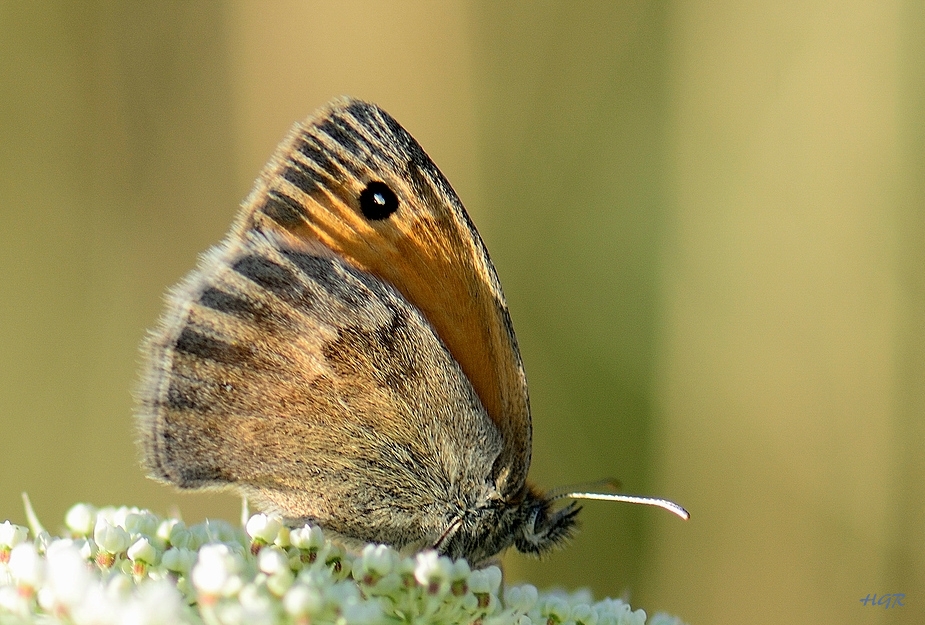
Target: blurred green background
point(709, 220)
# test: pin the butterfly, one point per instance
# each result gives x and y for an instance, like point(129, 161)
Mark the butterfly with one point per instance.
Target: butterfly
point(345, 356)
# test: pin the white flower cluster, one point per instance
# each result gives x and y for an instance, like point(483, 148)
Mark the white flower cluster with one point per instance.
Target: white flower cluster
point(125, 565)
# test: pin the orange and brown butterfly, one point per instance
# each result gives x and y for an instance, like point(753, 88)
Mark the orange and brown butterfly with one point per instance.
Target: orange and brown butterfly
point(345, 356)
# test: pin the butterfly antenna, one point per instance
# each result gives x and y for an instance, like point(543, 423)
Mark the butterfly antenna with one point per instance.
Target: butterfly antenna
point(646, 501)
point(561, 492)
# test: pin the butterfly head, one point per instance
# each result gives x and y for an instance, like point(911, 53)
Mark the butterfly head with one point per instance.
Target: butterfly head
point(529, 523)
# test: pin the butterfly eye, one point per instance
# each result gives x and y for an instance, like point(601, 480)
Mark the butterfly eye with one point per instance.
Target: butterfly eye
point(378, 201)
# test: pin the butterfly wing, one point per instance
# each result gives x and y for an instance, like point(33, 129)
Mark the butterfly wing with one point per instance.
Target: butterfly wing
point(307, 383)
point(428, 249)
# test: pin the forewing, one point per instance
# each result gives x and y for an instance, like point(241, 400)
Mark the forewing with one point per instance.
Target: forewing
point(428, 249)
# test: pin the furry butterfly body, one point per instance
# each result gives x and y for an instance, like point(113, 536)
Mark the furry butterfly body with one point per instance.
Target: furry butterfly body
point(345, 356)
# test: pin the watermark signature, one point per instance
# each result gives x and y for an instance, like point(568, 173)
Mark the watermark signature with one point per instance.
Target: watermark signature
point(887, 601)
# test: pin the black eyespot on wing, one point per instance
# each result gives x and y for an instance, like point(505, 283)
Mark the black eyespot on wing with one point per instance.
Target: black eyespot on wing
point(378, 201)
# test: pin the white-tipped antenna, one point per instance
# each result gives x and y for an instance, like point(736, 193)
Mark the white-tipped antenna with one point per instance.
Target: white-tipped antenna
point(646, 501)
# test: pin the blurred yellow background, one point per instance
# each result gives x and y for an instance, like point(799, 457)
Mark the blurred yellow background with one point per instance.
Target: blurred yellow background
point(709, 220)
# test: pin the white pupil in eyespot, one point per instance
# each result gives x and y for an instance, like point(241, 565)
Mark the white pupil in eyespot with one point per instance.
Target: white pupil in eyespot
point(379, 199)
